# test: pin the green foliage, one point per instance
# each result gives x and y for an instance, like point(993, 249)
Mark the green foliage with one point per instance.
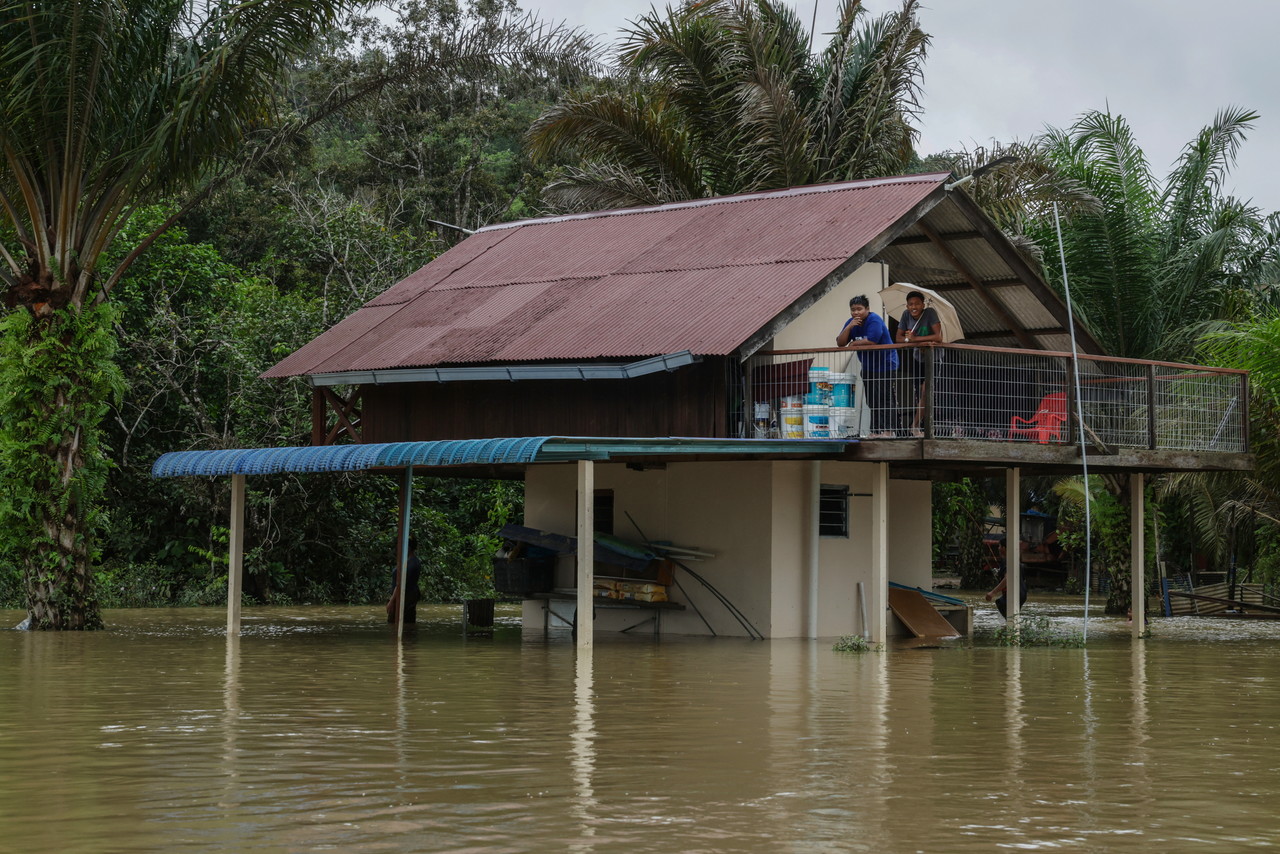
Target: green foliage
point(1111, 533)
point(958, 511)
point(108, 108)
point(854, 643)
point(1155, 264)
point(12, 594)
point(195, 332)
point(461, 538)
point(1031, 629)
point(725, 97)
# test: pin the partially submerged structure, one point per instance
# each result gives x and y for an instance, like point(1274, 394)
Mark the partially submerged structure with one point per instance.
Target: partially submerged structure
point(618, 361)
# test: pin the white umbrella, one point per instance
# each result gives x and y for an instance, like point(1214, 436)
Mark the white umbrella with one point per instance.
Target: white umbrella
point(894, 298)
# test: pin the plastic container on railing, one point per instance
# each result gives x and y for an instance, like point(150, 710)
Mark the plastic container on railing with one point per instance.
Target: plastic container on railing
point(817, 422)
point(760, 421)
point(844, 422)
point(819, 386)
point(791, 417)
point(842, 389)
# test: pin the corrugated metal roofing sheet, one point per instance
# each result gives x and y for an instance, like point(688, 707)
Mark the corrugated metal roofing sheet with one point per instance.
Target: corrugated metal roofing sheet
point(457, 452)
point(701, 276)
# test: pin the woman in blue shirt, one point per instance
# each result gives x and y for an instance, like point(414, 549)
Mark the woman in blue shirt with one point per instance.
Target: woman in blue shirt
point(865, 328)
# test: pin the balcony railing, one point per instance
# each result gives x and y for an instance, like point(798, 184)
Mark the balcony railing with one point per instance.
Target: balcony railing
point(995, 394)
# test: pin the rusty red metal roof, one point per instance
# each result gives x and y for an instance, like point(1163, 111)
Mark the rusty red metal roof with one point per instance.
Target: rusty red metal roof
point(702, 276)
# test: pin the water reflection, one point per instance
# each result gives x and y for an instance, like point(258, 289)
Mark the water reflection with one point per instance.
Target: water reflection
point(582, 752)
point(315, 730)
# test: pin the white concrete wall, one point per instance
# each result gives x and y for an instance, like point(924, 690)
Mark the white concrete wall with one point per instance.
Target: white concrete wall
point(820, 323)
point(722, 508)
point(843, 562)
point(788, 553)
point(755, 517)
point(911, 532)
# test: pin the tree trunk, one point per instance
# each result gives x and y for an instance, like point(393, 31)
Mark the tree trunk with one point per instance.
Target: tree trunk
point(57, 378)
point(58, 574)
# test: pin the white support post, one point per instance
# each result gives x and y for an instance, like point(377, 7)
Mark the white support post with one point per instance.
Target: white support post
point(402, 576)
point(235, 559)
point(815, 500)
point(586, 551)
point(1137, 554)
point(1013, 544)
point(879, 633)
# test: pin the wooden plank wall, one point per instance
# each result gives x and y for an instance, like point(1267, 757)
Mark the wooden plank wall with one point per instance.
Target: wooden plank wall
point(690, 401)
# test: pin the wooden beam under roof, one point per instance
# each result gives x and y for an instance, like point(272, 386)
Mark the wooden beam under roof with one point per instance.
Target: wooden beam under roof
point(917, 272)
point(970, 337)
point(963, 286)
point(1001, 313)
point(914, 239)
point(1023, 270)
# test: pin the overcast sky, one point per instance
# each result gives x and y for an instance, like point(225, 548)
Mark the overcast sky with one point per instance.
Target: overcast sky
point(1004, 69)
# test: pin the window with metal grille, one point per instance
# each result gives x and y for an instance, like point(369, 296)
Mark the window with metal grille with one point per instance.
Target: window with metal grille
point(604, 511)
point(833, 510)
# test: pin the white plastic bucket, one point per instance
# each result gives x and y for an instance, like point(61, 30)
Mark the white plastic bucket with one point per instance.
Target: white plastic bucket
point(843, 422)
point(817, 422)
point(792, 424)
point(842, 390)
point(819, 386)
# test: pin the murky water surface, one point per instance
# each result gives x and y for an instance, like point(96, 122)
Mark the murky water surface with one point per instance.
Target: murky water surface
point(315, 731)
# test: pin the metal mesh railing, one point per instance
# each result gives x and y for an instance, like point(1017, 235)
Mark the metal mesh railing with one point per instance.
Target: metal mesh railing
point(995, 394)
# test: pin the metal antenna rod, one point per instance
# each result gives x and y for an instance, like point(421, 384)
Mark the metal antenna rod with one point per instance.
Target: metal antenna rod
point(1084, 451)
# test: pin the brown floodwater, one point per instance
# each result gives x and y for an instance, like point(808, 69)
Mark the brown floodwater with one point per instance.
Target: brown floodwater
point(315, 731)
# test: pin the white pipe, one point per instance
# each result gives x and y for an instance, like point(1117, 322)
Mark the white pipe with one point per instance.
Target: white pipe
point(235, 560)
point(815, 500)
point(862, 611)
point(586, 551)
point(1084, 453)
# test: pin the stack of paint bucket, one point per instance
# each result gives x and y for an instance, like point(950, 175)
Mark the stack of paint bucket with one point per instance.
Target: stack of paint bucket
point(842, 406)
point(817, 404)
point(791, 416)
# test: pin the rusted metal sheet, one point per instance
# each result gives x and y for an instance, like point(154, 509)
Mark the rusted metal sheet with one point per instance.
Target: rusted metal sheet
point(700, 276)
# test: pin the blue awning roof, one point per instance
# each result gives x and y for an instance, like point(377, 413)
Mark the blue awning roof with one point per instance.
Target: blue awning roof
point(462, 452)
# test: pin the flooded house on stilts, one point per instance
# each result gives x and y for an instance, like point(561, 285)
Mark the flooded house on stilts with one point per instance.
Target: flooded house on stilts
point(668, 374)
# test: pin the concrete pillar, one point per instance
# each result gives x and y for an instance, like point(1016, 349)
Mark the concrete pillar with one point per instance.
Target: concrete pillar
point(586, 551)
point(402, 577)
point(1137, 554)
point(879, 554)
point(235, 560)
point(1013, 543)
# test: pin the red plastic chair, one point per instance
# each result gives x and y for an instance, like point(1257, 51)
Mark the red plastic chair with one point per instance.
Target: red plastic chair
point(1046, 425)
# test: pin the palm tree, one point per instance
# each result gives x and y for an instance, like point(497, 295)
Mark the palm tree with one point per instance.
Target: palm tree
point(1158, 263)
point(1154, 266)
point(1220, 504)
point(109, 105)
point(724, 96)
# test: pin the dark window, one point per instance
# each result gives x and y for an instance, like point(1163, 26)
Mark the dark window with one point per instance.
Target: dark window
point(833, 510)
point(604, 511)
